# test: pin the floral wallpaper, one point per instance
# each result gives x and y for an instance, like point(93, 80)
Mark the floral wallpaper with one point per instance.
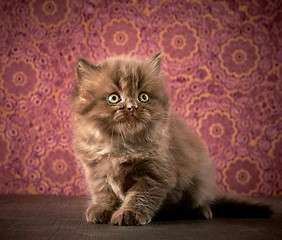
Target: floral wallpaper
point(222, 61)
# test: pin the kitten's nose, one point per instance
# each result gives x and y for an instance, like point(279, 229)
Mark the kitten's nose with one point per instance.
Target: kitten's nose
point(132, 109)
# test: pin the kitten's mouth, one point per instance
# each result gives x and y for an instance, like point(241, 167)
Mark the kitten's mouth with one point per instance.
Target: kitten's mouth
point(127, 117)
point(131, 117)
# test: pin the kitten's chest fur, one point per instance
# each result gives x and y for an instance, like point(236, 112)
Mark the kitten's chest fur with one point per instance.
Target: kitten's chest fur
point(119, 172)
point(119, 178)
point(124, 165)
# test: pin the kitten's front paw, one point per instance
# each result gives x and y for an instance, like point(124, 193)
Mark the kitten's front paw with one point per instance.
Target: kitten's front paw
point(97, 214)
point(129, 217)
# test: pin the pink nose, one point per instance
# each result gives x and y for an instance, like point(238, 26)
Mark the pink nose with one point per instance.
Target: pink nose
point(132, 109)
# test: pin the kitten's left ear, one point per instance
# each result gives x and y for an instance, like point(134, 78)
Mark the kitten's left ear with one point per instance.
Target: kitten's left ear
point(155, 61)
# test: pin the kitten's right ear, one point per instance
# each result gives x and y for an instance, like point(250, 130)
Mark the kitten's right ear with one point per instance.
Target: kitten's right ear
point(84, 70)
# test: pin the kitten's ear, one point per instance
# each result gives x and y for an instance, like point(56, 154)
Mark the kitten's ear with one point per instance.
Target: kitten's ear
point(155, 61)
point(86, 76)
point(84, 71)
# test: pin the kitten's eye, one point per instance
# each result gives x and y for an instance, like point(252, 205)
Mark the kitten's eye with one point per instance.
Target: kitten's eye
point(143, 97)
point(114, 98)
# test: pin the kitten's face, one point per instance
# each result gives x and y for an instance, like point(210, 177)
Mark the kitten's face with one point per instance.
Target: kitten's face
point(121, 96)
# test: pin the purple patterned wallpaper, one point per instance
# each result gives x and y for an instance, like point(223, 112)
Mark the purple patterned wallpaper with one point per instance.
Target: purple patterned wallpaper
point(222, 61)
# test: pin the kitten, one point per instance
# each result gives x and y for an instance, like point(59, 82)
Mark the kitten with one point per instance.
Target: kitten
point(139, 157)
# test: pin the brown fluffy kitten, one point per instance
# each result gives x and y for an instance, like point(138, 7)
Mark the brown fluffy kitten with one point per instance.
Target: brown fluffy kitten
point(139, 157)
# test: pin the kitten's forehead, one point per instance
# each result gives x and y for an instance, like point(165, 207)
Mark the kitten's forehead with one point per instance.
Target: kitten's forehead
point(127, 75)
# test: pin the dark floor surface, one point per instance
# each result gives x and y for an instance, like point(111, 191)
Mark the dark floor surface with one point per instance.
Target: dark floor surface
point(61, 217)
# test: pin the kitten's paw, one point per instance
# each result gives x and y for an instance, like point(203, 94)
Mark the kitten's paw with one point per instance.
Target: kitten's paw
point(206, 211)
point(129, 217)
point(97, 214)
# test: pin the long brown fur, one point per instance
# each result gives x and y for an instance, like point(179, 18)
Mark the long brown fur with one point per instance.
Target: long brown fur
point(139, 157)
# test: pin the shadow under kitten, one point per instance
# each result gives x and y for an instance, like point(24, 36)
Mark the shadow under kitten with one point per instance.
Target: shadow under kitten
point(223, 207)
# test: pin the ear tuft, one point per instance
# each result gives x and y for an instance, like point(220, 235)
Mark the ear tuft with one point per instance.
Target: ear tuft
point(155, 61)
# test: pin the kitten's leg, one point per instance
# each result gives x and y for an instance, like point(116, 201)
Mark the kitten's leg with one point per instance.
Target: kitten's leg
point(189, 202)
point(203, 190)
point(140, 203)
point(199, 198)
point(103, 204)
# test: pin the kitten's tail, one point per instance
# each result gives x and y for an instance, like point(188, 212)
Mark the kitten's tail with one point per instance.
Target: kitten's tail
point(239, 207)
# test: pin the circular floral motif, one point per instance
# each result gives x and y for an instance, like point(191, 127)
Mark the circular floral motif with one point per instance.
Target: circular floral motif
point(42, 187)
point(242, 176)
point(49, 12)
point(239, 57)
point(247, 30)
point(217, 128)
point(59, 166)
point(178, 41)
point(19, 78)
point(120, 37)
